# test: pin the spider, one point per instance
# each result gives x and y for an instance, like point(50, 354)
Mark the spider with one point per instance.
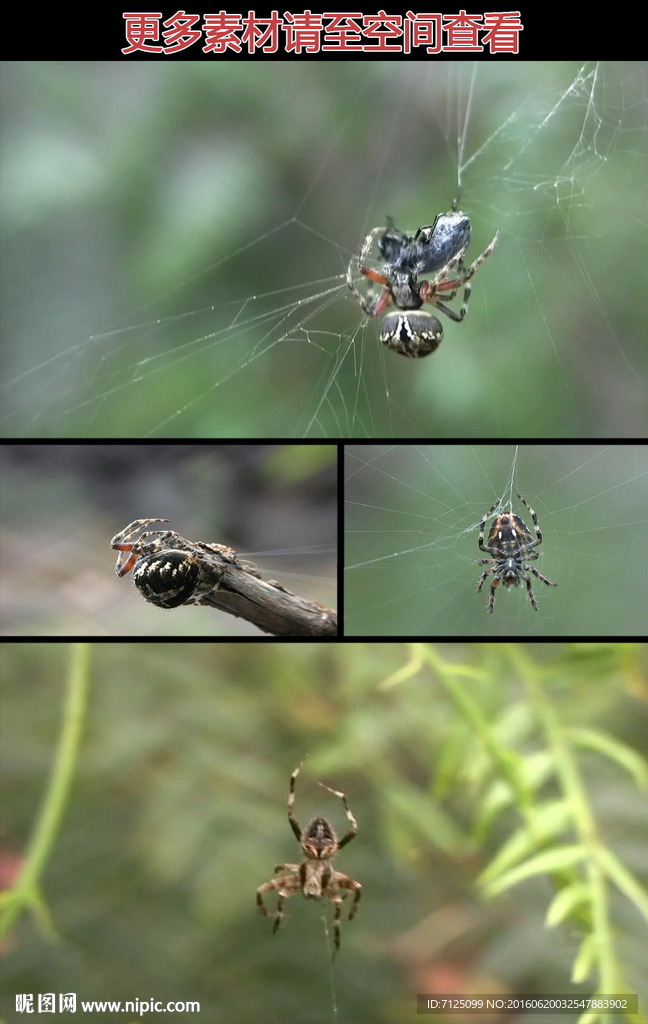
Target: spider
point(510, 542)
point(314, 877)
point(440, 247)
point(165, 577)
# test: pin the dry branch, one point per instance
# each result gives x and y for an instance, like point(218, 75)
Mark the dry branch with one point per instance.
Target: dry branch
point(170, 571)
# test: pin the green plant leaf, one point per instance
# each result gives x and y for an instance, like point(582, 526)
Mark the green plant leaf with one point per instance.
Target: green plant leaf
point(616, 751)
point(565, 901)
point(586, 959)
point(623, 879)
point(547, 821)
point(543, 863)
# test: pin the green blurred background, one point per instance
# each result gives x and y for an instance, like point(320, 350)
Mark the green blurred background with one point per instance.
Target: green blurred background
point(178, 812)
point(175, 238)
point(412, 515)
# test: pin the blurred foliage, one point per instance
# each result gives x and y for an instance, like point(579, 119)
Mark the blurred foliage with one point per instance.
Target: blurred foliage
point(166, 227)
point(178, 812)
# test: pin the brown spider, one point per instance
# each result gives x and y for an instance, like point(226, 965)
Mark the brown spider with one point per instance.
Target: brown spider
point(512, 546)
point(314, 877)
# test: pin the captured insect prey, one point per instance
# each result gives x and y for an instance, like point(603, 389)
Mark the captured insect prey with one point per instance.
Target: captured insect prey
point(315, 877)
point(440, 247)
point(510, 542)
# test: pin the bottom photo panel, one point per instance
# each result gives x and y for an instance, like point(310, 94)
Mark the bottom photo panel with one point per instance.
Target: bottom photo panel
point(355, 833)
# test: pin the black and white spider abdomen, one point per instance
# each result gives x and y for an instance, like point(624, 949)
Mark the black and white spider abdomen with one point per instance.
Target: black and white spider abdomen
point(412, 332)
point(166, 579)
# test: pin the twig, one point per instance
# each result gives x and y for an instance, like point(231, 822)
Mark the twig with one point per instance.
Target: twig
point(170, 571)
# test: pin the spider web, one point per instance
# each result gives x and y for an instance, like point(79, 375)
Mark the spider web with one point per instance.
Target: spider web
point(266, 340)
point(412, 524)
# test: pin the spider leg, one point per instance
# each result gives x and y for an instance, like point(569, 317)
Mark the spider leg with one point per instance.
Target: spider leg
point(457, 317)
point(534, 517)
point(471, 270)
point(286, 886)
point(373, 275)
point(262, 889)
point(127, 540)
point(121, 570)
point(491, 596)
point(345, 882)
point(337, 900)
point(529, 549)
point(371, 307)
point(341, 881)
point(138, 548)
point(429, 289)
point(544, 579)
point(374, 307)
point(358, 296)
point(279, 915)
point(481, 531)
point(532, 597)
point(127, 535)
point(484, 256)
point(369, 241)
point(291, 803)
point(353, 831)
point(486, 572)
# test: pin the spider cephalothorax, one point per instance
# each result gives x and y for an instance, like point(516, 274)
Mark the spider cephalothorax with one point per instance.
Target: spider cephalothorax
point(440, 246)
point(512, 546)
point(315, 877)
